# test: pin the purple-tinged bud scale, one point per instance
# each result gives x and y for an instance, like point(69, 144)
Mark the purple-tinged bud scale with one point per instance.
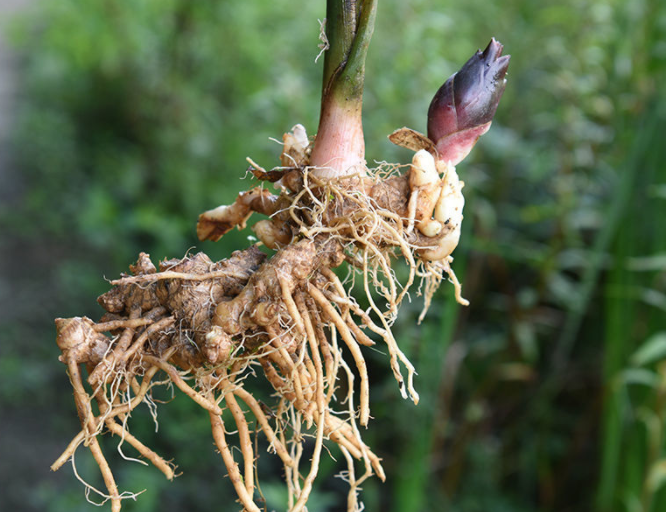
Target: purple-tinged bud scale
point(465, 105)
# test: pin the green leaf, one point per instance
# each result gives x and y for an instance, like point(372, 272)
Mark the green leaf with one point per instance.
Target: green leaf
point(639, 376)
point(656, 476)
point(652, 350)
point(656, 262)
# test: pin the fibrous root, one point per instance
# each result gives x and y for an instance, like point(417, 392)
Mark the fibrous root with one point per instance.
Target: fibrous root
point(207, 327)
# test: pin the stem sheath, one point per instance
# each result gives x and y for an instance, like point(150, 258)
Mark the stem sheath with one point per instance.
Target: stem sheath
point(339, 148)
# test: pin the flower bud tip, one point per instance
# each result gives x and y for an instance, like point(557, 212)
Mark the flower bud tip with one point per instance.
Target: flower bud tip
point(464, 106)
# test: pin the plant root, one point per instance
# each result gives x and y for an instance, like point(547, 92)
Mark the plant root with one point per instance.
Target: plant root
point(205, 327)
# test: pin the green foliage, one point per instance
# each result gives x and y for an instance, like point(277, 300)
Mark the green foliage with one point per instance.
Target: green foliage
point(546, 394)
point(132, 119)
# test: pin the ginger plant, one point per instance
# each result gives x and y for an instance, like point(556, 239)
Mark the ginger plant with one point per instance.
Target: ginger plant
point(207, 327)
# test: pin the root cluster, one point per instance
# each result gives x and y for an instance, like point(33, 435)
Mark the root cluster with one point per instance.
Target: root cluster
point(207, 327)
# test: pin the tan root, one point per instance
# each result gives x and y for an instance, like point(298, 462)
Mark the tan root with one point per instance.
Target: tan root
point(207, 327)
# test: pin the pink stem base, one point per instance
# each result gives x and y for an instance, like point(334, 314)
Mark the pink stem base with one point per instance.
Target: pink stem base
point(339, 147)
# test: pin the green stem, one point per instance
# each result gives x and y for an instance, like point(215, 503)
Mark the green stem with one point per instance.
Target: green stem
point(340, 148)
point(349, 28)
point(340, 32)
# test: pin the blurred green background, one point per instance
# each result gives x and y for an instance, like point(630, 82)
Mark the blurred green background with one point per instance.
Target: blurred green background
point(548, 393)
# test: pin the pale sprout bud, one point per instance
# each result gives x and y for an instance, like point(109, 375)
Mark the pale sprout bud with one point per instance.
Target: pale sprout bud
point(449, 213)
point(295, 149)
point(218, 345)
point(272, 235)
point(444, 248)
point(423, 170)
point(450, 205)
point(301, 136)
point(430, 228)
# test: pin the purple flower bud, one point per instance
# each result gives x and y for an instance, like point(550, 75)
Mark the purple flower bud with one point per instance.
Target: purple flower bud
point(465, 105)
